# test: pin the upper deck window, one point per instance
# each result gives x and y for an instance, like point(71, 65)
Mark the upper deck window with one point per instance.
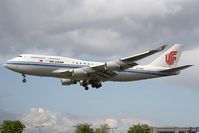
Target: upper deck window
point(19, 56)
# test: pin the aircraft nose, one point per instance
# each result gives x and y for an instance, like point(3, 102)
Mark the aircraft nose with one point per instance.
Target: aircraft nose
point(9, 66)
point(6, 65)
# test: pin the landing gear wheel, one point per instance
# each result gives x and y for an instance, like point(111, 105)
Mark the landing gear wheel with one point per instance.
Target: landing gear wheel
point(86, 88)
point(96, 85)
point(24, 80)
point(92, 85)
point(100, 85)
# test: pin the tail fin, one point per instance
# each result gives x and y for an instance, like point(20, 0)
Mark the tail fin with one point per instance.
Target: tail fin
point(170, 58)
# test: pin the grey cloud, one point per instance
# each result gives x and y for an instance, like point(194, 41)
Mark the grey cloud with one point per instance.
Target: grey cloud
point(95, 28)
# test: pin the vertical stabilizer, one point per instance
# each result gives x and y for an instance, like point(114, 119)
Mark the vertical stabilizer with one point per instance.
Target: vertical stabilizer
point(170, 58)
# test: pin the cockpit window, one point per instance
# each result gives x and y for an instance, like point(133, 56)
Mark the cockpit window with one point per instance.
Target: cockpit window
point(19, 56)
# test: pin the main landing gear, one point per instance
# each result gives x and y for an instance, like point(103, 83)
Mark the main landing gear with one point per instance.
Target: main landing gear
point(98, 85)
point(86, 86)
point(94, 84)
point(24, 78)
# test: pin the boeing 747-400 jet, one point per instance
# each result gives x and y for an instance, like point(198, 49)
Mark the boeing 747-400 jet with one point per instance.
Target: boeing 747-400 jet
point(72, 71)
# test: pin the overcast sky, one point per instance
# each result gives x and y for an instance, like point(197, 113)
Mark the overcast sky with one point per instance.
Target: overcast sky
point(99, 30)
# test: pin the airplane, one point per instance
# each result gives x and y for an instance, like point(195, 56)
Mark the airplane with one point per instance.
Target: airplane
point(71, 71)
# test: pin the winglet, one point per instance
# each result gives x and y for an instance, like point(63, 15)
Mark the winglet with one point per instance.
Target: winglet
point(161, 48)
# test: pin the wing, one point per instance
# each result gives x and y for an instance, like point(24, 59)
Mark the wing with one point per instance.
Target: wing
point(127, 62)
point(107, 70)
point(142, 55)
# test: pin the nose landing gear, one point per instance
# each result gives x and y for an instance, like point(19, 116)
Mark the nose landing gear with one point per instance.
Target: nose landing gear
point(24, 78)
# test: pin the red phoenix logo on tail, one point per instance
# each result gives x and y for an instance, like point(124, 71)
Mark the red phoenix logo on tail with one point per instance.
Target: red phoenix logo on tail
point(171, 57)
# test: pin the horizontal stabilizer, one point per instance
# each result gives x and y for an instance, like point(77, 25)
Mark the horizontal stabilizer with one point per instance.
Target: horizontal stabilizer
point(176, 69)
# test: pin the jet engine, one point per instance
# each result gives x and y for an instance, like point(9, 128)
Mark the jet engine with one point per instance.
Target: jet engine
point(79, 73)
point(68, 82)
point(112, 66)
point(118, 65)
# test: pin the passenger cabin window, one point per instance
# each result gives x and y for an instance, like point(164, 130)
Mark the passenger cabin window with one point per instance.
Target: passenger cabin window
point(54, 58)
point(34, 57)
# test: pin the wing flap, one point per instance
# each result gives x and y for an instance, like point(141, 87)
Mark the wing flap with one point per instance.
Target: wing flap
point(102, 75)
point(92, 74)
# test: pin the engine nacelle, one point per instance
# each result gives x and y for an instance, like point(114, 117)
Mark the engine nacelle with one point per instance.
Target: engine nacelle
point(79, 73)
point(112, 66)
point(68, 82)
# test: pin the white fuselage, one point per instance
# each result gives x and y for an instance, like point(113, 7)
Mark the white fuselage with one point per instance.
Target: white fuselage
point(40, 65)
